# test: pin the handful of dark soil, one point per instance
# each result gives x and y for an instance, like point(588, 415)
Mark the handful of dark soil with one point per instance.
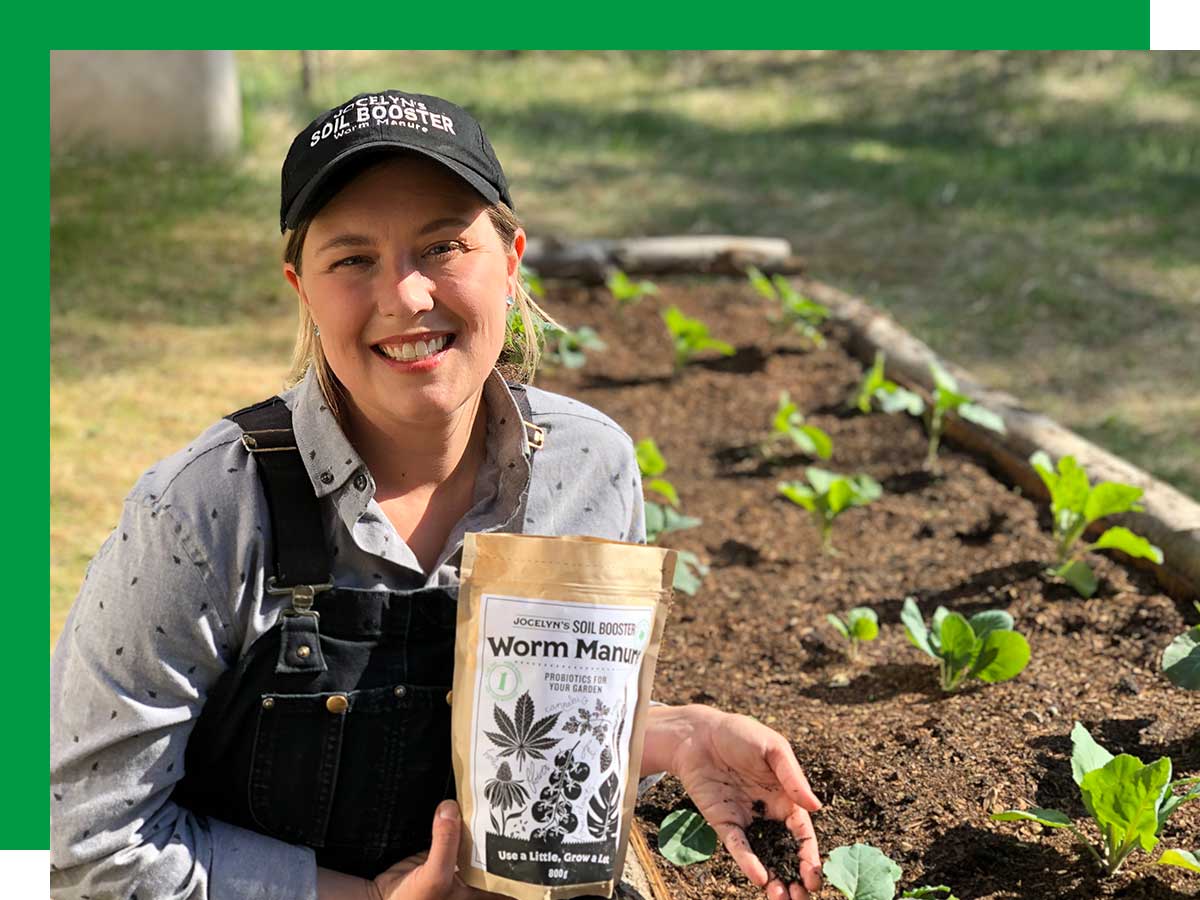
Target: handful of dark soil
point(774, 845)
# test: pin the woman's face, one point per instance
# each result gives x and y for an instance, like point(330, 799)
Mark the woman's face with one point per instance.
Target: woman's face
point(406, 253)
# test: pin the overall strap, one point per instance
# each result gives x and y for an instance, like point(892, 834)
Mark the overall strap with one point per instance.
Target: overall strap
point(299, 559)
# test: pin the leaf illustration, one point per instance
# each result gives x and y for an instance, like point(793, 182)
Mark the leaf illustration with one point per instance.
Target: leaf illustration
point(605, 759)
point(521, 735)
point(603, 809)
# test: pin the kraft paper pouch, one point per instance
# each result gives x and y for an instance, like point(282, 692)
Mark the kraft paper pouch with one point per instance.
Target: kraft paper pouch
point(553, 666)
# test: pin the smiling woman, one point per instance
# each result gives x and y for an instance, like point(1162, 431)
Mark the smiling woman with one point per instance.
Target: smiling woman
point(249, 696)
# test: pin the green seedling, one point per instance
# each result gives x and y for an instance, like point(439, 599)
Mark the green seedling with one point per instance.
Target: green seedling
point(862, 624)
point(983, 646)
point(626, 291)
point(876, 388)
point(789, 423)
point(1074, 505)
point(1181, 660)
point(796, 311)
point(948, 398)
point(663, 518)
point(1185, 859)
point(827, 495)
point(685, 838)
point(863, 872)
point(1127, 799)
point(533, 281)
point(567, 348)
point(690, 337)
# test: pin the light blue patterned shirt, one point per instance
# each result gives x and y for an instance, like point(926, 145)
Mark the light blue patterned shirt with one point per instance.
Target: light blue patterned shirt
point(175, 596)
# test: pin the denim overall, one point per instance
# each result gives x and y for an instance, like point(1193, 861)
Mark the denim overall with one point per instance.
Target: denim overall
point(333, 730)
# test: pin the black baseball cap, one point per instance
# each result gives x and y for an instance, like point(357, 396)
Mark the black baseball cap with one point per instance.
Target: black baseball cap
point(337, 143)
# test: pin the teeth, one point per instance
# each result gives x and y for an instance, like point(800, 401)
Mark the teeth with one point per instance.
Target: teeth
point(417, 350)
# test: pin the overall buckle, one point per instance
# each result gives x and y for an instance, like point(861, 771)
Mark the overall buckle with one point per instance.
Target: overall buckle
point(303, 596)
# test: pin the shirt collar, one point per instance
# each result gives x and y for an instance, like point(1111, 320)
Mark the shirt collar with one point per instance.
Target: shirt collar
point(330, 459)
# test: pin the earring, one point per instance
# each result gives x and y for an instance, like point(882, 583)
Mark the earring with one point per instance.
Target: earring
point(508, 301)
point(316, 331)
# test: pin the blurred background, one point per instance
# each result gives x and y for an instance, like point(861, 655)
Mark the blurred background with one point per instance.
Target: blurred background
point(1034, 217)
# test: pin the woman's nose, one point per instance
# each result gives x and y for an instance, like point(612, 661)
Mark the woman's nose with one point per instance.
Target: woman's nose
point(410, 292)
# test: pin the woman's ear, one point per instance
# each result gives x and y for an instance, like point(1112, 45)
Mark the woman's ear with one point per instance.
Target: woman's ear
point(514, 257)
point(293, 278)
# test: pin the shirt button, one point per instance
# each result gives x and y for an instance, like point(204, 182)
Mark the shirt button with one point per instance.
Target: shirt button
point(360, 481)
point(337, 704)
point(268, 702)
point(400, 690)
point(326, 478)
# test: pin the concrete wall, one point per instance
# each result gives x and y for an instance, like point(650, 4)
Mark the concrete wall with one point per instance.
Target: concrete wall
point(159, 101)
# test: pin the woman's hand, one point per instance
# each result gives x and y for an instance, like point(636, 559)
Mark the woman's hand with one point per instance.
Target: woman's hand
point(430, 876)
point(727, 763)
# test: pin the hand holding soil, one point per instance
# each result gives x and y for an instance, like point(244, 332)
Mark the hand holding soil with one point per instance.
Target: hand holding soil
point(735, 769)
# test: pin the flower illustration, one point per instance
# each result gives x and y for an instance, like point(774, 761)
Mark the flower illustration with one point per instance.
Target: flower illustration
point(503, 793)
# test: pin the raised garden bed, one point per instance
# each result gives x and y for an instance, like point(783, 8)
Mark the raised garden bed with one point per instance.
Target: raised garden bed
point(897, 763)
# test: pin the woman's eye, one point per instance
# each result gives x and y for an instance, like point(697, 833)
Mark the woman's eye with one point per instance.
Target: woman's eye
point(444, 248)
point(350, 262)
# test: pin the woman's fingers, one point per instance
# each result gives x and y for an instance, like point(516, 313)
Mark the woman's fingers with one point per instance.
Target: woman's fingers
point(791, 777)
point(734, 840)
point(438, 870)
point(801, 827)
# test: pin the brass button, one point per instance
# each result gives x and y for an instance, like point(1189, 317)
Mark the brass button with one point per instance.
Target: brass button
point(337, 704)
point(449, 696)
point(400, 690)
point(268, 702)
point(303, 651)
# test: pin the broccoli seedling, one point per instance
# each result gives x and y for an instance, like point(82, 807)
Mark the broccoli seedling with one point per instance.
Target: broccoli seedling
point(787, 423)
point(533, 281)
point(863, 872)
point(983, 646)
point(862, 624)
point(877, 388)
point(1074, 505)
point(1181, 659)
point(827, 495)
point(1127, 799)
point(685, 838)
point(796, 310)
point(690, 336)
point(663, 518)
point(948, 398)
point(1185, 859)
point(626, 291)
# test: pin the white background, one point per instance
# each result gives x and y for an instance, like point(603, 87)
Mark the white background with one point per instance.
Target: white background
point(25, 873)
point(1175, 24)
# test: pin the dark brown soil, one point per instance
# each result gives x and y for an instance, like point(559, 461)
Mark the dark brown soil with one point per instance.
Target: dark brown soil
point(897, 763)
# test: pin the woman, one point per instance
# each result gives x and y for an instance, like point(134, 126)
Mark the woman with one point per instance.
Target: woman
point(273, 617)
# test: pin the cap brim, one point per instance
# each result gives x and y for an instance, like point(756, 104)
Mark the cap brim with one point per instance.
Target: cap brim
point(335, 166)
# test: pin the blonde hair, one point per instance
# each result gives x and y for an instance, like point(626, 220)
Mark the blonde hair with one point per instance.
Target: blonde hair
point(523, 338)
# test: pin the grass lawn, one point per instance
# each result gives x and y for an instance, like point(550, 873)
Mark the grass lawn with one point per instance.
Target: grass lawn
point(1031, 215)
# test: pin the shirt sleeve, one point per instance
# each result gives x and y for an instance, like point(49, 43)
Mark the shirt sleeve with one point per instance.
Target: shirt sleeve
point(148, 636)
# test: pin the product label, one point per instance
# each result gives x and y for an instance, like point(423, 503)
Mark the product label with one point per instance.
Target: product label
point(550, 735)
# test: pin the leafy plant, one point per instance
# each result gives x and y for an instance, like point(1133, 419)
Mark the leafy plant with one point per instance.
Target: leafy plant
point(594, 722)
point(626, 291)
point(862, 624)
point(983, 646)
point(827, 495)
point(789, 423)
point(568, 348)
point(796, 310)
point(533, 282)
point(1074, 505)
point(948, 398)
point(1185, 859)
point(690, 336)
point(554, 806)
point(664, 518)
point(863, 872)
point(877, 388)
point(1127, 799)
point(1181, 659)
point(519, 734)
point(503, 793)
point(685, 838)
